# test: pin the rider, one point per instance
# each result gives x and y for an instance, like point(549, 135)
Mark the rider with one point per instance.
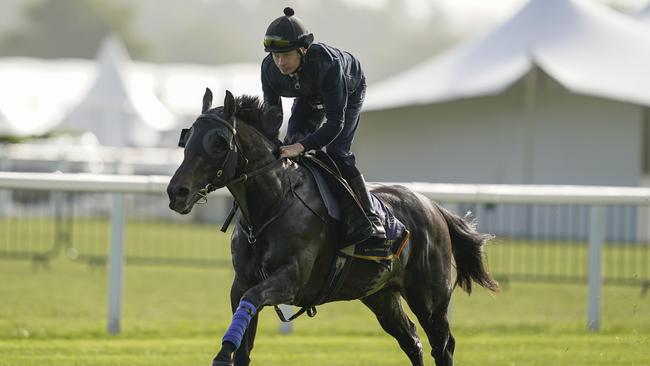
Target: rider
point(327, 84)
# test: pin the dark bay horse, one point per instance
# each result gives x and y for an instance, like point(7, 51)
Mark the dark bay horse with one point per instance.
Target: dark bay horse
point(284, 243)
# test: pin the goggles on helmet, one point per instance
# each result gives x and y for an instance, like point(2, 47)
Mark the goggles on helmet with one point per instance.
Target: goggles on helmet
point(275, 41)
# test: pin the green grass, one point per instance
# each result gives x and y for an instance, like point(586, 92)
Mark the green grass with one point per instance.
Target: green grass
point(478, 350)
point(186, 241)
point(568, 259)
point(56, 315)
point(178, 315)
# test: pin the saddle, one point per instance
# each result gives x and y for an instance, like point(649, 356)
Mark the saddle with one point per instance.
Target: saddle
point(342, 204)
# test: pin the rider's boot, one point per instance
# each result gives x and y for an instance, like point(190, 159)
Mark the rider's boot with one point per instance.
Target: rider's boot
point(376, 228)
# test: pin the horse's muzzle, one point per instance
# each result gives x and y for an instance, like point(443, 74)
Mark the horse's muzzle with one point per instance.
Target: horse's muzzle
point(179, 199)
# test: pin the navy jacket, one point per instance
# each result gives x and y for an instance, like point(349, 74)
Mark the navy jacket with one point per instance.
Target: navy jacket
point(325, 79)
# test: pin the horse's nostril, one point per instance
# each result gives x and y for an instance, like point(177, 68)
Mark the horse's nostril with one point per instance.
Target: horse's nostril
point(182, 192)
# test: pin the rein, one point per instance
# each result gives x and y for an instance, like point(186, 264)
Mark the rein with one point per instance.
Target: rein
point(209, 188)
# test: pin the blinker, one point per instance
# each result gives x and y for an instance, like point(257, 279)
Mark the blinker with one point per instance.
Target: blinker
point(183, 138)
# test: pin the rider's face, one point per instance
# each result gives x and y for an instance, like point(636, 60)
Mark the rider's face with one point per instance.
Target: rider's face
point(287, 62)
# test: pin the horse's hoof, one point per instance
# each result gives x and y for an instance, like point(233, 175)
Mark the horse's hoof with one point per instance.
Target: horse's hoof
point(221, 363)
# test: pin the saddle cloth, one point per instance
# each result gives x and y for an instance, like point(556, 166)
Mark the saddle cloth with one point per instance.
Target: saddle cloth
point(379, 250)
point(338, 198)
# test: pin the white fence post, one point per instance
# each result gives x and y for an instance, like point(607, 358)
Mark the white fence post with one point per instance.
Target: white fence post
point(286, 328)
point(596, 241)
point(116, 264)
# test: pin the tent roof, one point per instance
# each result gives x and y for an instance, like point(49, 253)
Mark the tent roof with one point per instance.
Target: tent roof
point(113, 96)
point(115, 82)
point(586, 47)
point(35, 94)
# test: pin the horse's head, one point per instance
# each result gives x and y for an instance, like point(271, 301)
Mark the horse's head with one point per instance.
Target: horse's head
point(213, 155)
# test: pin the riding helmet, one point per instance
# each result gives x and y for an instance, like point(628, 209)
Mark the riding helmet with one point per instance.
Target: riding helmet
point(287, 33)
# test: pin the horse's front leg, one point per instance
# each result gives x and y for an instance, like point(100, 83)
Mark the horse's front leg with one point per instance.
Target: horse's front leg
point(279, 288)
point(242, 355)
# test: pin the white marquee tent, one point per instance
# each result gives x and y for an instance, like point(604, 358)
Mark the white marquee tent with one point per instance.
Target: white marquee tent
point(122, 101)
point(35, 94)
point(586, 47)
point(558, 94)
point(118, 111)
point(547, 97)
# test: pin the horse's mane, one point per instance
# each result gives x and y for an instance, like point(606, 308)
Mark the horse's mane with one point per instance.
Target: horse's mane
point(264, 118)
point(250, 109)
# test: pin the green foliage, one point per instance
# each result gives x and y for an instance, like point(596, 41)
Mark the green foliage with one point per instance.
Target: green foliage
point(70, 28)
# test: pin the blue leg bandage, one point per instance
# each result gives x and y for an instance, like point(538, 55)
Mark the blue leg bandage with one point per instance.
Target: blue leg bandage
point(245, 312)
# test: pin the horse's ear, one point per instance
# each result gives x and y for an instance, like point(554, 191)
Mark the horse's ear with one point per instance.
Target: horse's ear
point(229, 106)
point(207, 100)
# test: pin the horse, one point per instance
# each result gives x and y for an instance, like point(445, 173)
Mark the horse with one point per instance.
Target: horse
point(284, 242)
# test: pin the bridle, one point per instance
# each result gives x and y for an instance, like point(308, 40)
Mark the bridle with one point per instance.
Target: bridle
point(231, 162)
point(229, 167)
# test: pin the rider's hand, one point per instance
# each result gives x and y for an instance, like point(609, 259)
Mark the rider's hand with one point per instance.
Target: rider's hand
point(291, 151)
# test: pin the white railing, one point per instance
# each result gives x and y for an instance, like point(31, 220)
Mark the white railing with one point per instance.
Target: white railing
point(71, 153)
point(72, 156)
point(596, 197)
point(478, 193)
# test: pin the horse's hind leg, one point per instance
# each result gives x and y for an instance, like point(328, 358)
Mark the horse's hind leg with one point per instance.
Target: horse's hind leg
point(430, 306)
point(386, 306)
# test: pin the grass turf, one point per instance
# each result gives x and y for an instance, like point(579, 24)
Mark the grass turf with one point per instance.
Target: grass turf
point(475, 349)
point(57, 316)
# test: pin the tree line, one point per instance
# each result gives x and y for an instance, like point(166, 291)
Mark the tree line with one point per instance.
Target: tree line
point(220, 31)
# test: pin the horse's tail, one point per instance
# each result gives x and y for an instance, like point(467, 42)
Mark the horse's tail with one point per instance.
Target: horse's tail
point(467, 247)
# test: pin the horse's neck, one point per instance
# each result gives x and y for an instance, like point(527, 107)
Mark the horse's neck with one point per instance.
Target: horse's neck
point(264, 190)
point(261, 195)
point(258, 149)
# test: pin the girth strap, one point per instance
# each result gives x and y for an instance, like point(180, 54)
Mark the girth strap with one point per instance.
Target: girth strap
point(337, 275)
